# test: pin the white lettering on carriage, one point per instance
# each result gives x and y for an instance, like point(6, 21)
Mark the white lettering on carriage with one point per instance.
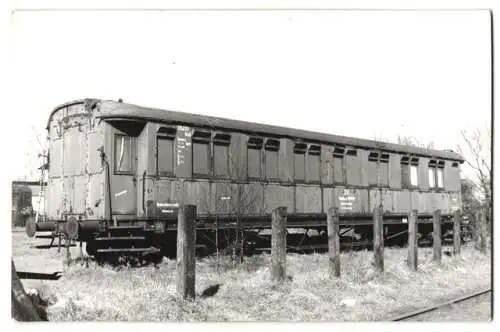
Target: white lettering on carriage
point(181, 145)
point(121, 193)
point(347, 199)
point(167, 204)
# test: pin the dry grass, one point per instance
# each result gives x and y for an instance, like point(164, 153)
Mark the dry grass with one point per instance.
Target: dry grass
point(247, 294)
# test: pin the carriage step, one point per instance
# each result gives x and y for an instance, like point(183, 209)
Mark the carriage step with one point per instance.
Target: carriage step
point(44, 236)
point(150, 250)
point(121, 238)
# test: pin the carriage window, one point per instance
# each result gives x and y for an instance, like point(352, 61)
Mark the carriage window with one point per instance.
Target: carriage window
point(384, 169)
point(405, 172)
point(372, 168)
point(432, 174)
point(440, 174)
point(254, 149)
point(313, 163)
point(201, 165)
point(299, 159)
point(352, 167)
point(414, 172)
point(165, 154)
point(272, 147)
point(221, 155)
point(165, 151)
point(338, 165)
point(380, 161)
point(123, 154)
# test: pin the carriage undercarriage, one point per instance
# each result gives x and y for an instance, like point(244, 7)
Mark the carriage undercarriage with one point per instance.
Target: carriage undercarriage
point(153, 238)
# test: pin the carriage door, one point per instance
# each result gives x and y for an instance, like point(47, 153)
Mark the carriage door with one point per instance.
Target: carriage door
point(124, 174)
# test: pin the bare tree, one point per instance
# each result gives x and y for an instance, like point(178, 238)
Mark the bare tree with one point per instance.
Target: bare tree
point(413, 141)
point(470, 204)
point(476, 149)
point(237, 201)
point(240, 201)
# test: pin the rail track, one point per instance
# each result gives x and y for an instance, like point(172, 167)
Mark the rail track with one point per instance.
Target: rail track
point(438, 306)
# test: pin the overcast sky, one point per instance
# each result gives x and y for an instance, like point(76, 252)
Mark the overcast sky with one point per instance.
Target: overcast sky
point(369, 74)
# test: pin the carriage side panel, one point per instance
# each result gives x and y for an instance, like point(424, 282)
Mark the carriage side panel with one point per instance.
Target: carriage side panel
point(326, 164)
point(308, 199)
point(452, 176)
point(395, 171)
point(423, 173)
point(183, 152)
point(276, 196)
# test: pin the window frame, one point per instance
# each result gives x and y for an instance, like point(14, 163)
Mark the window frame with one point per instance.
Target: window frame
point(255, 143)
point(437, 167)
point(165, 133)
point(224, 140)
point(414, 163)
point(440, 167)
point(408, 162)
point(272, 145)
point(339, 153)
point(301, 149)
point(432, 169)
point(379, 158)
point(313, 151)
point(131, 166)
point(201, 137)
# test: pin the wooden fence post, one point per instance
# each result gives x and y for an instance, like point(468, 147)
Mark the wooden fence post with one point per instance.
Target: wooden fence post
point(482, 230)
point(333, 241)
point(59, 240)
point(436, 236)
point(378, 238)
point(412, 240)
point(278, 244)
point(186, 251)
point(456, 233)
point(68, 249)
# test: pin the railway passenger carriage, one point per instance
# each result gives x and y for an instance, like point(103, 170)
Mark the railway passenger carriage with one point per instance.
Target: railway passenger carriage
point(116, 167)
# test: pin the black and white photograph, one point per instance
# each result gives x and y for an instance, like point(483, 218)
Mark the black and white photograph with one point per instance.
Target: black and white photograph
point(279, 162)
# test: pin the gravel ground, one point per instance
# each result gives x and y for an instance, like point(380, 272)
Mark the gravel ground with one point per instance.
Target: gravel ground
point(477, 309)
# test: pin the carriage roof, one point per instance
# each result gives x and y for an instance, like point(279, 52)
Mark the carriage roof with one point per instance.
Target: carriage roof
point(109, 110)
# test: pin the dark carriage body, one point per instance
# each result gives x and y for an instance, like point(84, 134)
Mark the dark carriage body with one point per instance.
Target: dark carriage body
point(116, 164)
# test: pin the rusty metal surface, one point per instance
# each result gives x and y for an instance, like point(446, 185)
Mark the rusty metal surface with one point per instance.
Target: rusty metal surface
point(74, 179)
